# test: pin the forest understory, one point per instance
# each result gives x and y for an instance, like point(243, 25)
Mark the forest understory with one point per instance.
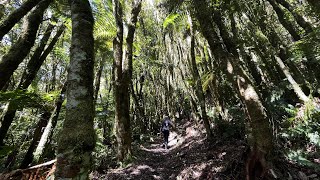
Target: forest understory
point(189, 157)
point(85, 86)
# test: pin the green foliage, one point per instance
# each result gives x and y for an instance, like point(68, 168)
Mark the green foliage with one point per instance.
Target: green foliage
point(103, 155)
point(5, 150)
point(170, 20)
point(207, 80)
point(23, 99)
point(299, 156)
point(302, 135)
point(104, 28)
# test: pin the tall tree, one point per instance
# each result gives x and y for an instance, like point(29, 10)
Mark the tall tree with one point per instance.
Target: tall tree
point(259, 130)
point(298, 17)
point(15, 16)
point(28, 157)
point(77, 138)
point(21, 48)
point(48, 130)
point(197, 79)
point(26, 79)
point(284, 21)
point(123, 74)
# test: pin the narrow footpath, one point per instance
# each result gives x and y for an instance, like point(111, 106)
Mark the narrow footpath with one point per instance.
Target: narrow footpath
point(189, 157)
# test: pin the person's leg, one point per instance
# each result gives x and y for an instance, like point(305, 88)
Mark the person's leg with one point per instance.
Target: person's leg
point(166, 138)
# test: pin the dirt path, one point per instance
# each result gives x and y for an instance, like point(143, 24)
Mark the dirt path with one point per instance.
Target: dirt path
point(189, 157)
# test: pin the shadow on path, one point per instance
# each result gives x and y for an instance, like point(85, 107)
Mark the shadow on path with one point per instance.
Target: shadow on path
point(189, 157)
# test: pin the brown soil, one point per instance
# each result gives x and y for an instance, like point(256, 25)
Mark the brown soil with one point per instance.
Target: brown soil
point(189, 157)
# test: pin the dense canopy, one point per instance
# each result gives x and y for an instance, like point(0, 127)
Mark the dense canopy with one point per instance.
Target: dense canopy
point(85, 85)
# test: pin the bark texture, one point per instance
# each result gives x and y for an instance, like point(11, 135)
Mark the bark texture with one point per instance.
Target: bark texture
point(298, 17)
point(21, 48)
point(286, 24)
point(77, 138)
point(123, 74)
point(37, 60)
point(26, 79)
point(197, 78)
point(14, 17)
point(260, 136)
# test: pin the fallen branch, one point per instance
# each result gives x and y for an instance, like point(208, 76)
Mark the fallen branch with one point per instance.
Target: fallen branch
point(40, 171)
point(42, 165)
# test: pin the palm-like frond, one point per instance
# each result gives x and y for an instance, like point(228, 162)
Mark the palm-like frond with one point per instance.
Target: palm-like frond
point(104, 28)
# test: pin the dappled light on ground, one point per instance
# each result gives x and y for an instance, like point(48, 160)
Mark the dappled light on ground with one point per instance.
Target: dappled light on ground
point(189, 157)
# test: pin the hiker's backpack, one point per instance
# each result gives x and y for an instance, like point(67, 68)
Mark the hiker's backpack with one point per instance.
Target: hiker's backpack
point(166, 125)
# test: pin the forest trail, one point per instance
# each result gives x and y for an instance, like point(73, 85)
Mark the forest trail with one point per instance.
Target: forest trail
point(189, 157)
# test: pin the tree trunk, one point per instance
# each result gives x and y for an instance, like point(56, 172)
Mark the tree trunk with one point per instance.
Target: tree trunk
point(48, 131)
point(15, 16)
point(286, 24)
point(26, 80)
point(36, 61)
point(282, 51)
point(98, 79)
point(77, 138)
point(21, 48)
point(36, 137)
point(260, 136)
point(300, 20)
point(197, 78)
point(123, 74)
point(7, 118)
point(294, 84)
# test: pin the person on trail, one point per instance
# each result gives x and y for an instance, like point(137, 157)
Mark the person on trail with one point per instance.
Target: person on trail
point(165, 129)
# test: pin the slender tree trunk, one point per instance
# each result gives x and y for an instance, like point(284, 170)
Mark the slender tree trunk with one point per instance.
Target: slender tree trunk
point(14, 17)
point(279, 62)
point(48, 131)
point(77, 138)
point(123, 74)
point(299, 18)
point(120, 117)
point(21, 48)
point(9, 114)
point(7, 118)
point(294, 84)
point(36, 137)
point(286, 24)
point(197, 78)
point(98, 79)
point(36, 61)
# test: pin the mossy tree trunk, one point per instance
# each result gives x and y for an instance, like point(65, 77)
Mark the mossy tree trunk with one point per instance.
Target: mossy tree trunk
point(77, 138)
point(298, 17)
point(198, 84)
point(123, 74)
point(14, 17)
point(21, 48)
point(284, 21)
point(281, 55)
point(27, 77)
point(48, 131)
point(98, 78)
point(259, 133)
point(37, 60)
